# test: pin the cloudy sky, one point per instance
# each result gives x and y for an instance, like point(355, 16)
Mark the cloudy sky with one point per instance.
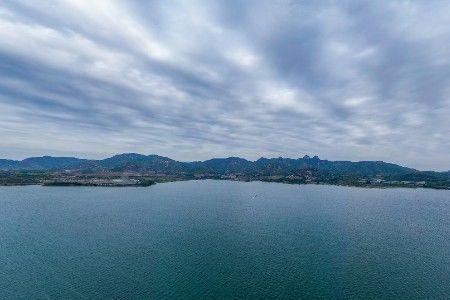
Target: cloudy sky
point(192, 80)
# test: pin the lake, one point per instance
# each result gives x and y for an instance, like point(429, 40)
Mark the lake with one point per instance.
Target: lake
point(224, 240)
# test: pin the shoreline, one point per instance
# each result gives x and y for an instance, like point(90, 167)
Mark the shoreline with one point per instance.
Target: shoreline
point(78, 184)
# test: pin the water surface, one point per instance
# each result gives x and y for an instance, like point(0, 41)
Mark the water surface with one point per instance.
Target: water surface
point(224, 240)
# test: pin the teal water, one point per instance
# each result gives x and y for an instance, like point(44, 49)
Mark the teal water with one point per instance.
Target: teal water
point(224, 240)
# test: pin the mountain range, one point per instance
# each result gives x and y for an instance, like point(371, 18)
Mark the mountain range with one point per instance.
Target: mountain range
point(138, 163)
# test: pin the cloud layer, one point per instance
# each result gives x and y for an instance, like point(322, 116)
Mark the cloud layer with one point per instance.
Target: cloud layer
point(199, 79)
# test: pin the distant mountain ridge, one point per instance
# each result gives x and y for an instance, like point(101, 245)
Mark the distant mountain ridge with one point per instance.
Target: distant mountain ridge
point(134, 162)
point(42, 163)
point(291, 170)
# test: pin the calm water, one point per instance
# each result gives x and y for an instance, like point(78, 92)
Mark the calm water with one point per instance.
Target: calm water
point(224, 240)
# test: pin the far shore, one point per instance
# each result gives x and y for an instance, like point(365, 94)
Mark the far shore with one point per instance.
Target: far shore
point(151, 183)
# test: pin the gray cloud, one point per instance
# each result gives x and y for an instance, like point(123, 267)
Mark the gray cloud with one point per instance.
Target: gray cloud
point(356, 80)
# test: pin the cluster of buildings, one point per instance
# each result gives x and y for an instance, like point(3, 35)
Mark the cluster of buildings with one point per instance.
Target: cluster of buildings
point(379, 181)
point(93, 181)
